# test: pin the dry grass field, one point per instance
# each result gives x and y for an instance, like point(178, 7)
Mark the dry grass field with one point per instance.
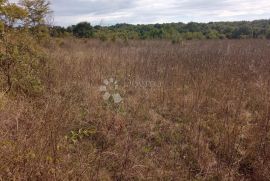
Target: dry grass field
point(198, 110)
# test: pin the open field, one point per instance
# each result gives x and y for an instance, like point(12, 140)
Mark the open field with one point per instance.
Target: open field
point(197, 110)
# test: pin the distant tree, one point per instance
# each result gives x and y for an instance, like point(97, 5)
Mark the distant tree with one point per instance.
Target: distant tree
point(242, 32)
point(70, 28)
point(156, 33)
point(193, 35)
point(158, 26)
point(228, 31)
point(83, 30)
point(192, 27)
point(213, 34)
point(58, 31)
point(97, 27)
point(169, 31)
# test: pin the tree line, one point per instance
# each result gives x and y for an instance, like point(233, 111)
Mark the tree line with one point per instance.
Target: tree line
point(171, 31)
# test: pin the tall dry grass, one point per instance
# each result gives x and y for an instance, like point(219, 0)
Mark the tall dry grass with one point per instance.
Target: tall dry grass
point(192, 111)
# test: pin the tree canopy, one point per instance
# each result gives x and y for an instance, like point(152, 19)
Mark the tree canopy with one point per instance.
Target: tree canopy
point(192, 30)
point(82, 30)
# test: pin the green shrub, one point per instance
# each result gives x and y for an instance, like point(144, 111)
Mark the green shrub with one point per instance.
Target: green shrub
point(21, 56)
point(103, 37)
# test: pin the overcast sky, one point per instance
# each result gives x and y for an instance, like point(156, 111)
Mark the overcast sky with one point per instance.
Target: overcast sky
point(108, 12)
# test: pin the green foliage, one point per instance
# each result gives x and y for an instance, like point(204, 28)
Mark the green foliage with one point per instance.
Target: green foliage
point(20, 63)
point(82, 30)
point(10, 14)
point(37, 13)
point(193, 35)
point(41, 33)
point(21, 56)
point(38, 10)
point(58, 31)
point(103, 37)
point(213, 34)
point(242, 32)
point(75, 136)
point(190, 31)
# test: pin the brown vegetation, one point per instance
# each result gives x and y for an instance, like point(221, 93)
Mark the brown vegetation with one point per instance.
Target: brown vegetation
point(195, 111)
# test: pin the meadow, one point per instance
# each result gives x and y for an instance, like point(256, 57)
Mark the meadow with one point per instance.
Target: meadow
point(194, 110)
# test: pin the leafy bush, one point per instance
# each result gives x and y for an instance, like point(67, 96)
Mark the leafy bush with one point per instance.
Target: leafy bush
point(21, 56)
point(83, 30)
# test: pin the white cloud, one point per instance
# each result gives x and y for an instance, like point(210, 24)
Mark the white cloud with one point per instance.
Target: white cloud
point(69, 12)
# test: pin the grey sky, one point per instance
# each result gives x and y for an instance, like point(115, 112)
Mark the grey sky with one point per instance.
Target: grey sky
point(107, 12)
